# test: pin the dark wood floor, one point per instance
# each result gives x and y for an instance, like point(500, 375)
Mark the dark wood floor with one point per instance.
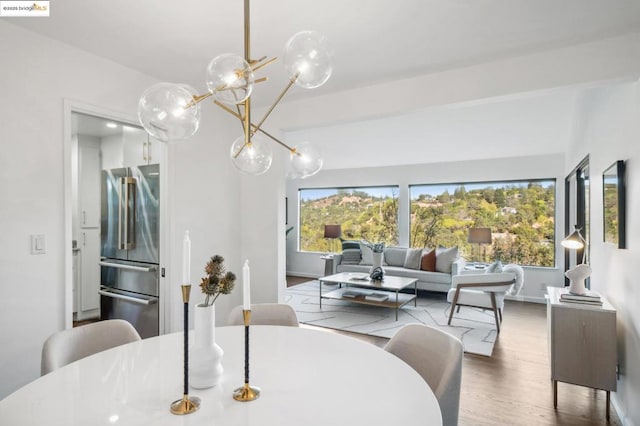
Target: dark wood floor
point(512, 387)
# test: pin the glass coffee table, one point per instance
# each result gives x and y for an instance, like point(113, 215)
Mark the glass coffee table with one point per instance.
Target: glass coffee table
point(359, 288)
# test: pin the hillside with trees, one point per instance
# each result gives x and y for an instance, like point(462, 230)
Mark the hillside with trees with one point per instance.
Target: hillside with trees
point(521, 218)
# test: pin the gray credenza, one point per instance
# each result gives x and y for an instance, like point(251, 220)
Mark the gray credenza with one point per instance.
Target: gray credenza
point(582, 344)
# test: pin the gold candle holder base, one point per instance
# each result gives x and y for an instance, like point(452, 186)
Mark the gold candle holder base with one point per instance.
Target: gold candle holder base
point(186, 405)
point(246, 393)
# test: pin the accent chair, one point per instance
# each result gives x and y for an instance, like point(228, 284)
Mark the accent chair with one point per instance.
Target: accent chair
point(437, 357)
point(67, 346)
point(266, 314)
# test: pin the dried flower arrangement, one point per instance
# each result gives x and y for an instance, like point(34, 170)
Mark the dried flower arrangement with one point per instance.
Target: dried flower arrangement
point(218, 281)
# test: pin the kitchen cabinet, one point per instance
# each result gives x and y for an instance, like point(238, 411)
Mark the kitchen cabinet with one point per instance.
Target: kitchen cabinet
point(140, 149)
point(88, 183)
point(582, 344)
point(88, 297)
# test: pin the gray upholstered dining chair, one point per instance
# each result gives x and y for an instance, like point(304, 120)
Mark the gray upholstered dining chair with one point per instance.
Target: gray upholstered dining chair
point(266, 314)
point(437, 357)
point(67, 346)
point(485, 291)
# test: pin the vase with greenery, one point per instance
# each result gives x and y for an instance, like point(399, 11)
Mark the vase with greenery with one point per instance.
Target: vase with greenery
point(206, 356)
point(378, 250)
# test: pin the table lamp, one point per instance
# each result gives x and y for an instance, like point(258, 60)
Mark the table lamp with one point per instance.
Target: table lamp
point(479, 236)
point(580, 272)
point(332, 231)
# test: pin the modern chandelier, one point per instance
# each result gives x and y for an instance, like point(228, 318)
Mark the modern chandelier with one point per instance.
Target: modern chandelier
point(171, 112)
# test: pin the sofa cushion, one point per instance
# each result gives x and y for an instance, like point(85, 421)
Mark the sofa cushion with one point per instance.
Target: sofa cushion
point(431, 277)
point(350, 244)
point(444, 258)
point(412, 258)
point(428, 261)
point(394, 256)
point(351, 256)
point(352, 268)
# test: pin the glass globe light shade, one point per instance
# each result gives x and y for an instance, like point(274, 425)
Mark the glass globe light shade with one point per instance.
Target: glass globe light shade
point(307, 54)
point(253, 159)
point(230, 78)
point(305, 161)
point(163, 112)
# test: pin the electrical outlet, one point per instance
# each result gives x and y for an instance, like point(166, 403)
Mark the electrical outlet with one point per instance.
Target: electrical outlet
point(543, 286)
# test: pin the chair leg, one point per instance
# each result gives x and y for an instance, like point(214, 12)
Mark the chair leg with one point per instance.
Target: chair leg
point(500, 314)
point(458, 310)
point(453, 305)
point(495, 310)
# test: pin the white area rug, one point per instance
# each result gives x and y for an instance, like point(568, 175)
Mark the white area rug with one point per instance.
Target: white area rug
point(475, 327)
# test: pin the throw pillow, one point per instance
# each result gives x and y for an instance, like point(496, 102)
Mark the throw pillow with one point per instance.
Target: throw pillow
point(494, 268)
point(367, 255)
point(394, 256)
point(428, 261)
point(351, 256)
point(412, 258)
point(444, 258)
point(350, 244)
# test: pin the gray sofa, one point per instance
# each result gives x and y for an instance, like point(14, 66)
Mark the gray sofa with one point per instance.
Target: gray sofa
point(394, 264)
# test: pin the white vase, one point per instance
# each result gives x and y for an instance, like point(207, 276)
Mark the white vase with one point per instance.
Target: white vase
point(377, 261)
point(205, 360)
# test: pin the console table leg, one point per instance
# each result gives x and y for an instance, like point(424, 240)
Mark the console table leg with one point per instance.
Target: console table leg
point(320, 293)
point(608, 404)
point(555, 394)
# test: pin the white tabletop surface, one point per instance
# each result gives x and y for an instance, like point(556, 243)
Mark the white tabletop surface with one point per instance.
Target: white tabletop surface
point(307, 377)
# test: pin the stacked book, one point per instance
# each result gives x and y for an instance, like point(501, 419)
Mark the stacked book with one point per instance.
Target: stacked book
point(377, 297)
point(590, 298)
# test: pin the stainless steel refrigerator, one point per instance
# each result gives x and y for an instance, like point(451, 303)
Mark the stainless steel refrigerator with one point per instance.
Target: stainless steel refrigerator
point(129, 263)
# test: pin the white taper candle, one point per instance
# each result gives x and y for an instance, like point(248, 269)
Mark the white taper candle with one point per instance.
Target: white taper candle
point(246, 295)
point(186, 259)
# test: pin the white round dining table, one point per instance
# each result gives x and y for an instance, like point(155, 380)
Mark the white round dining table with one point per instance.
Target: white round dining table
point(307, 377)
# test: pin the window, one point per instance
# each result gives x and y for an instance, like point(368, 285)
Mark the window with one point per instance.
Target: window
point(369, 213)
point(520, 215)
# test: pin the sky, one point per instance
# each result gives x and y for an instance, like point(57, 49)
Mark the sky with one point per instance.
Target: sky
point(375, 191)
point(415, 190)
point(435, 190)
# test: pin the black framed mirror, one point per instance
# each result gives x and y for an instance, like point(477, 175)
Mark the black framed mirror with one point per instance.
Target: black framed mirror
point(614, 204)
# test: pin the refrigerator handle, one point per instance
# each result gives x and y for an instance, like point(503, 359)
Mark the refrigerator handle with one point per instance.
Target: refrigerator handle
point(128, 267)
point(131, 204)
point(126, 215)
point(128, 298)
point(120, 183)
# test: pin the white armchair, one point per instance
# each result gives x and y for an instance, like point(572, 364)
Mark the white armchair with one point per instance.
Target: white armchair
point(486, 291)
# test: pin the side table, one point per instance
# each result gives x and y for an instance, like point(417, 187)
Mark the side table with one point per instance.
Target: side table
point(582, 344)
point(328, 264)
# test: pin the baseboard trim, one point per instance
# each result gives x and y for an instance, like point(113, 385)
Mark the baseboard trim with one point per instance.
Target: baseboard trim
point(617, 407)
point(304, 275)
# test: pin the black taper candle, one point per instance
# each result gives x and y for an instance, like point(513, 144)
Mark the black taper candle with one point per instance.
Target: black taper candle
point(246, 354)
point(186, 348)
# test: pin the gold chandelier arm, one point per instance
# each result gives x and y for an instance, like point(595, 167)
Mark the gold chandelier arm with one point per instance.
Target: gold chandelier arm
point(196, 99)
point(277, 101)
point(239, 116)
point(262, 65)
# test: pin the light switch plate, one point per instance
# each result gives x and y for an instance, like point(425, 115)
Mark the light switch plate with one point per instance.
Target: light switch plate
point(38, 244)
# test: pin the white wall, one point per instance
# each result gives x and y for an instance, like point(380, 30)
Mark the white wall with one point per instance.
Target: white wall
point(538, 167)
point(36, 75)
point(608, 129)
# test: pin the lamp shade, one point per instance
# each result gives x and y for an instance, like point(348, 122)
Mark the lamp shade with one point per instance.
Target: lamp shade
point(479, 235)
point(332, 231)
point(574, 240)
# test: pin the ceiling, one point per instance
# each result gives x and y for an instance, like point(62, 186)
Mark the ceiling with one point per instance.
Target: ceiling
point(374, 41)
